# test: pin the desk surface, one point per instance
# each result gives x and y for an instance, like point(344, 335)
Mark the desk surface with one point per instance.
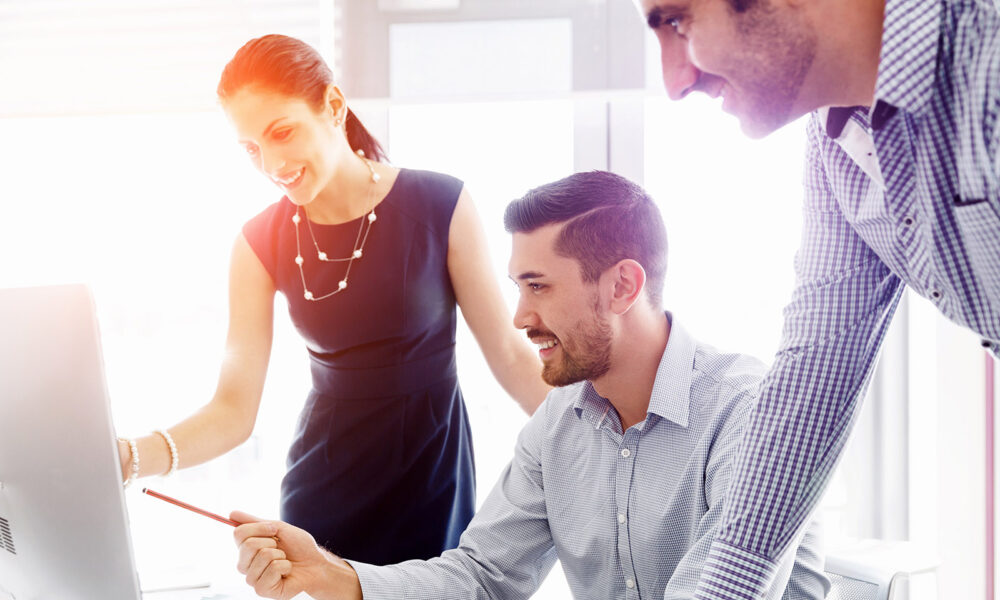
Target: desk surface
point(221, 588)
point(212, 593)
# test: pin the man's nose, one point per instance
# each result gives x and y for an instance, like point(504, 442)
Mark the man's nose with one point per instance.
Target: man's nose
point(681, 81)
point(680, 76)
point(524, 317)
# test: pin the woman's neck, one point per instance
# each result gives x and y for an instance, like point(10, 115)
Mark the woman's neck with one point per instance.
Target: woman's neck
point(349, 194)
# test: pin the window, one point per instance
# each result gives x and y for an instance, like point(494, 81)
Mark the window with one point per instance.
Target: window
point(134, 184)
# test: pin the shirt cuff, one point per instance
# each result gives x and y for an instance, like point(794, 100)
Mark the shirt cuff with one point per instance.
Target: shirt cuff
point(732, 573)
point(378, 582)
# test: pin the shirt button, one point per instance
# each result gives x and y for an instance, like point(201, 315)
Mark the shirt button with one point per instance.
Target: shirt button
point(630, 583)
point(621, 518)
point(935, 294)
point(908, 221)
point(625, 453)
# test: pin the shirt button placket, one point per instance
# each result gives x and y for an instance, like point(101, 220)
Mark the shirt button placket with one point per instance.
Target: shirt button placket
point(623, 490)
point(905, 229)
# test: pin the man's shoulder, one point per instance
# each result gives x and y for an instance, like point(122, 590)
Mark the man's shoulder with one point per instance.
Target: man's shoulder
point(562, 399)
point(724, 384)
point(730, 370)
point(555, 419)
point(973, 59)
point(973, 26)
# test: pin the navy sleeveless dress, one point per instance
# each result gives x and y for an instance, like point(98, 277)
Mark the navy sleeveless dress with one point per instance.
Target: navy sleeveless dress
point(381, 466)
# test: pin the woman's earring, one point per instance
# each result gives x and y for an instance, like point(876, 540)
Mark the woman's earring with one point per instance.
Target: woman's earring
point(337, 122)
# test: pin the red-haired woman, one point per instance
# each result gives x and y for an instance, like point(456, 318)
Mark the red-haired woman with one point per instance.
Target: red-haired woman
point(373, 261)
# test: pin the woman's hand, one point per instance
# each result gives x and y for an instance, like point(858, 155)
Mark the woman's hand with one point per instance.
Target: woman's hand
point(281, 561)
point(125, 458)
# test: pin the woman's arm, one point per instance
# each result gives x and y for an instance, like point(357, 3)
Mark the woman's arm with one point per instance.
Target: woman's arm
point(228, 419)
point(508, 353)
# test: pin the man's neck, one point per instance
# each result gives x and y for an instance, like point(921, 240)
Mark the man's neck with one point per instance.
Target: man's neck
point(848, 63)
point(635, 359)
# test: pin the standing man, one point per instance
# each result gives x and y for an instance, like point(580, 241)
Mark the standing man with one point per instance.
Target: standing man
point(902, 188)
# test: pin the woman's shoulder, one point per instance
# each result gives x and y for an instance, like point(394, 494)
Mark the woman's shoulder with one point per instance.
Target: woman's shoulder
point(429, 197)
point(262, 233)
point(270, 217)
point(430, 183)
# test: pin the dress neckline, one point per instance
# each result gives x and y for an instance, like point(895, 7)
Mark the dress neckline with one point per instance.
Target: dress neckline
point(355, 220)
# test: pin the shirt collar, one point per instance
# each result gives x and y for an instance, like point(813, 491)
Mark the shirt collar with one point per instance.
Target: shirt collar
point(671, 397)
point(910, 32)
point(910, 37)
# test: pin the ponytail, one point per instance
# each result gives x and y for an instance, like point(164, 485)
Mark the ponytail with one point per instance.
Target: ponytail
point(360, 139)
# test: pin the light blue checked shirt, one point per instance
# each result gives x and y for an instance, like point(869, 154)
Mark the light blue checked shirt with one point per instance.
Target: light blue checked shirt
point(907, 193)
point(630, 514)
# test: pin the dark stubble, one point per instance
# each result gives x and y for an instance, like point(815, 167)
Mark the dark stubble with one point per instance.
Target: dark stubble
point(586, 355)
point(778, 52)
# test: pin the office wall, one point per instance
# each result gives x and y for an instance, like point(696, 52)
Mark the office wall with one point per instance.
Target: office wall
point(118, 169)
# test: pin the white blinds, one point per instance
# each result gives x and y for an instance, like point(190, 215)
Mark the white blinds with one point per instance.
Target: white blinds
point(101, 56)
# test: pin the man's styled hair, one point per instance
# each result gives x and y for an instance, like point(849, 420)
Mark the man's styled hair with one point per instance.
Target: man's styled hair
point(607, 219)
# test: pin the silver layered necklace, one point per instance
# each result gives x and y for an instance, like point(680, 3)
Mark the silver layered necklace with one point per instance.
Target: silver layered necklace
point(359, 242)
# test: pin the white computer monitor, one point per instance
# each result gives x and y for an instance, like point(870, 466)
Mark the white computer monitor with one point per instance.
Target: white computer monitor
point(64, 530)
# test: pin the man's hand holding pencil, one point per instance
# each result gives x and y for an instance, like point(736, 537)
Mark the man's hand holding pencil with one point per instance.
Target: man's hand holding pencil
point(281, 561)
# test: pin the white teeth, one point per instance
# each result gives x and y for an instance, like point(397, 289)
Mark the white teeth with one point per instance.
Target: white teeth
point(292, 179)
point(546, 344)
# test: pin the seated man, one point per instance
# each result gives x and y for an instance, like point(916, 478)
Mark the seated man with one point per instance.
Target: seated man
point(621, 473)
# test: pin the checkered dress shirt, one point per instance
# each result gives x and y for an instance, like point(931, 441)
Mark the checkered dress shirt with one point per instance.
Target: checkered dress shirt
point(629, 514)
point(904, 193)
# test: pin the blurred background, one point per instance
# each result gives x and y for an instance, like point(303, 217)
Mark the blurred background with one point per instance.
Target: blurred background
point(118, 169)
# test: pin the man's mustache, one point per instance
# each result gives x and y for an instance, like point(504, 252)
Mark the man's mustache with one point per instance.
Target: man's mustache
point(534, 333)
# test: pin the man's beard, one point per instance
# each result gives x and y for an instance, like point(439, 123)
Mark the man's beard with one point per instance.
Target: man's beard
point(585, 356)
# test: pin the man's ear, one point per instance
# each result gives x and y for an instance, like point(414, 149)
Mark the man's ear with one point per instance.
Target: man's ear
point(628, 279)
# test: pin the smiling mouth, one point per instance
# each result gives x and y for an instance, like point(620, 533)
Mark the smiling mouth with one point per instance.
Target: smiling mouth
point(546, 344)
point(290, 180)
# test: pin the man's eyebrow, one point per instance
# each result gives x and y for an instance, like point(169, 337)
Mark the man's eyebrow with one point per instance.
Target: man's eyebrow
point(529, 275)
